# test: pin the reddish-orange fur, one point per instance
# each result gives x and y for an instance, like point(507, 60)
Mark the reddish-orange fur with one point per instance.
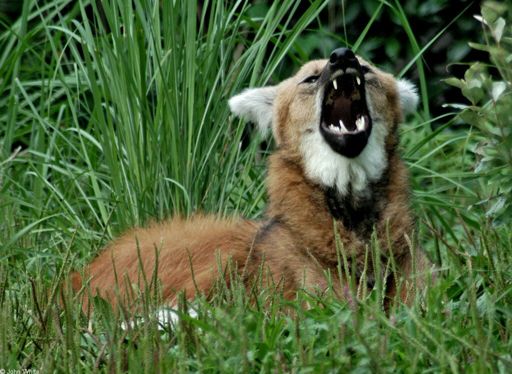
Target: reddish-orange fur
point(297, 242)
point(296, 251)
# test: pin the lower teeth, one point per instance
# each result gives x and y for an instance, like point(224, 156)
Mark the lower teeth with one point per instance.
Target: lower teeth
point(360, 123)
point(341, 129)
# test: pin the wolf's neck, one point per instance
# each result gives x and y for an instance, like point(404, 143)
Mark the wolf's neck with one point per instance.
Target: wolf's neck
point(358, 211)
point(310, 212)
point(347, 175)
point(294, 195)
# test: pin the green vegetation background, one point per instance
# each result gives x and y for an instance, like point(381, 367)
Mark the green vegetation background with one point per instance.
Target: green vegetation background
point(114, 113)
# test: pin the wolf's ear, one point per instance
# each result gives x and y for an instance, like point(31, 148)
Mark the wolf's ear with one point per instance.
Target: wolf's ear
point(255, 105)
point(408, 96)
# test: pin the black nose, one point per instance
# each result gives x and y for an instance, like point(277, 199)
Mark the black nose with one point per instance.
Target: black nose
point(342, 58)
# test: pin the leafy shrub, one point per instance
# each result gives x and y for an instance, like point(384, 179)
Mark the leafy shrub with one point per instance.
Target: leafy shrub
point(489, 90)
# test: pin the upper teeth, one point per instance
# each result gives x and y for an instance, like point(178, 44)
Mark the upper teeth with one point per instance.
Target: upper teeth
point(335, 83)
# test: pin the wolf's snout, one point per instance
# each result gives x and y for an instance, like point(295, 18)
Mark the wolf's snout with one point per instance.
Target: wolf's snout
point(345, 121)
point(343, 58)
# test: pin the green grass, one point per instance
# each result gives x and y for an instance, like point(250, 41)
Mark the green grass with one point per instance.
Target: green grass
point(111, 120)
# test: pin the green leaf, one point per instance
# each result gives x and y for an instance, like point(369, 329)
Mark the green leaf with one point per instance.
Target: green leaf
point(497, 207)
point(479, 46)
point(459, 83)
point(471, 116)
point(473, 92)
point(489, 14)
point(497, 90)
point(499, 27)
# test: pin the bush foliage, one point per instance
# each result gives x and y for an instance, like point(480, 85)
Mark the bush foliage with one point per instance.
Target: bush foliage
point(489, 90)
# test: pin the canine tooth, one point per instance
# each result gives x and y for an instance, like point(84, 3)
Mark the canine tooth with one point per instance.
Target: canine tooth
point(358, 123)
point(358, 81)
point(334, 128)
point(342, 126)
point(335, 84)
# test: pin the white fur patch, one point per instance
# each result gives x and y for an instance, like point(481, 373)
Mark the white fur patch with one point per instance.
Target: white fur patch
point(169, 317)
point(255, 105)
point(408, 96)
point(328, 168)
point(165, 317)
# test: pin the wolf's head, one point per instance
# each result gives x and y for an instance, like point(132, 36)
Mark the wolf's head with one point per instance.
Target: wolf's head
point(340, 115)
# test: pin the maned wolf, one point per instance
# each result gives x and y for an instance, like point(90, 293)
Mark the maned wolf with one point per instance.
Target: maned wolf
point(335, 180)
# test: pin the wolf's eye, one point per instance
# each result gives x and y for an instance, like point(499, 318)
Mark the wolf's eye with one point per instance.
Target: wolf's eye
point(365, 69)
point(311, 79)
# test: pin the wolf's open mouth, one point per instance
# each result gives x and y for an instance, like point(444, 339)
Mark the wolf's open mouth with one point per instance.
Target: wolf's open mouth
point(345, 122)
